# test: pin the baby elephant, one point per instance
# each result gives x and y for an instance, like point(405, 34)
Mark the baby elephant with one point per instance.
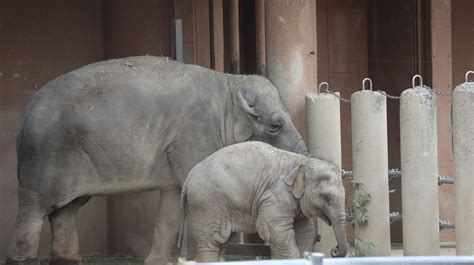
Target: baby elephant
point(254, 187)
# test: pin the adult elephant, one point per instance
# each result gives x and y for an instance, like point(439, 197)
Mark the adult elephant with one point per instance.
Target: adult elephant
point(131, 125)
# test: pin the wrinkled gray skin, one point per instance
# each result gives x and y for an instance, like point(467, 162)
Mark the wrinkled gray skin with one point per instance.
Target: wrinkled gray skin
point(254, 187)
point(131, 125)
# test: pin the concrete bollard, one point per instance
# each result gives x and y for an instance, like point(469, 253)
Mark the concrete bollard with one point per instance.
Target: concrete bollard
point(463, 151)
point(323, 125)
point(370, 168)
point(419, 166)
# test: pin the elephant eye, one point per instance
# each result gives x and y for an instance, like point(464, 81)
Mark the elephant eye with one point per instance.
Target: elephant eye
point(326, 197)
point(274, 128)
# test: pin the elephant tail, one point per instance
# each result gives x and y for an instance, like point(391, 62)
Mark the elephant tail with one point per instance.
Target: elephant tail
point(183, 213)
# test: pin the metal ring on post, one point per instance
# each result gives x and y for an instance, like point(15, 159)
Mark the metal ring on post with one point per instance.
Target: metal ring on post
point(370, 83)
point(467, 75)
point(413, 81)
point(321, 84)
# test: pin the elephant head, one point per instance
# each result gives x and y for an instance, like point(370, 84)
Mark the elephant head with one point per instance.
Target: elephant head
point(318, 187)
point(259, 115)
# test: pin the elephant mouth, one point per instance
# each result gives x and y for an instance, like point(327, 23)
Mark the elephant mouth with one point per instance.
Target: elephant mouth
point(325, 218)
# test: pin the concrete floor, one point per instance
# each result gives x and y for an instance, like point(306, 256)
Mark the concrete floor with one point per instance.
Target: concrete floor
point(446, 250)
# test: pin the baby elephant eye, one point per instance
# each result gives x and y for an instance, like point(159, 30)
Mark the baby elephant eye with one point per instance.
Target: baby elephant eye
point(274, 128)
point(325, 197)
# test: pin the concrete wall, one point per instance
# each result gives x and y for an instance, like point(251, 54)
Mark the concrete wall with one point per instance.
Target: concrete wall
point(392, 54)
point(135, 28)
point(39, 41)
point(343, 62)
point(462, 38)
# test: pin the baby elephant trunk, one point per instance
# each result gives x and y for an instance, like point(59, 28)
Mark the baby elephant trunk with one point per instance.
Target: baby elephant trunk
point(339, 227)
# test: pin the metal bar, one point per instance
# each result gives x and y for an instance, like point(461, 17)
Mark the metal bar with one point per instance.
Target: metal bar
point(234, 37)
point(260, 35)
point(396, 173)
point(177, 39)
point(413, 260)
point(407, 260)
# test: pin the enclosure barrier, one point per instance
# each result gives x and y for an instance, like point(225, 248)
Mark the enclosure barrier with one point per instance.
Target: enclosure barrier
point(318, 259)
point(370, 163)
point(463, 152)
point(419, 161)
point(323, 126)
point(396, 173)
point(419, 165)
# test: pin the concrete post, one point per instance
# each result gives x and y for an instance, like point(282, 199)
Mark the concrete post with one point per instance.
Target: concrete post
point(290, 40)
point(463, 145)
point(323, 125)
point(370, 169)
point(419, 165)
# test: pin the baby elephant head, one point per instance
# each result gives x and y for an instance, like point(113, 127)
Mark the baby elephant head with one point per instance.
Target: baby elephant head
point(318, 188)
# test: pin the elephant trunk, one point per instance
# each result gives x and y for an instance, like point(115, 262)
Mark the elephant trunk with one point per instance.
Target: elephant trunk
point(300, 147)
point(339, 227)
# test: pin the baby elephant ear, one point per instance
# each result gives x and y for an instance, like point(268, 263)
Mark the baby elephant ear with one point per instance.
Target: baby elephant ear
point(296, 180)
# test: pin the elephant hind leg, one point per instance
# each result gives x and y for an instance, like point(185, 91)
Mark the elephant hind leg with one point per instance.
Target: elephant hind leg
point(65, 243)
point(207, 255)
point(24, 246)
point(166, 228)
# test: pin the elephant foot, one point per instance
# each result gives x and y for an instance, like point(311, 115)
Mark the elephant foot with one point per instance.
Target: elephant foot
point(317, 238)
point(65, 262)
point(23, 262)
point(155, 260)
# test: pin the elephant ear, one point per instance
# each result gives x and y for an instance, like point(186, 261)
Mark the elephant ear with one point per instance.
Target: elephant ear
point(243, 113)
point(296, 180)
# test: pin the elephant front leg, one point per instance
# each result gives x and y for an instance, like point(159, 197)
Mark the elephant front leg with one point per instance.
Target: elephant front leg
point(166, 229)
point(305, 234)
point(283, 246)
point(281, 236)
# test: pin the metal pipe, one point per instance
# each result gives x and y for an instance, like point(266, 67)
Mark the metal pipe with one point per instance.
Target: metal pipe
point(445, 224)
point(396, 173)
point(234, 37)
point(260, 35)
point(316, 259)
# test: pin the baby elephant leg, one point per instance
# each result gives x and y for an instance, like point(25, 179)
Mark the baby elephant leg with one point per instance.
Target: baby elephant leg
point(305, 234)
point(211, 236)
point(281, 236)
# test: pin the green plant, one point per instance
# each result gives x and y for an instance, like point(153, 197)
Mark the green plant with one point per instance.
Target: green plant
point(361, 217)
point(362, 248)
point(361, 214)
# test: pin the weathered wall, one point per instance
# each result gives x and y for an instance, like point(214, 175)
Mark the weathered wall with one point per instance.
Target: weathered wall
point(39, 41)
point(441, 25)
point(391, 55)
point(342, 61)
point(462, 39)
point(135, 28)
